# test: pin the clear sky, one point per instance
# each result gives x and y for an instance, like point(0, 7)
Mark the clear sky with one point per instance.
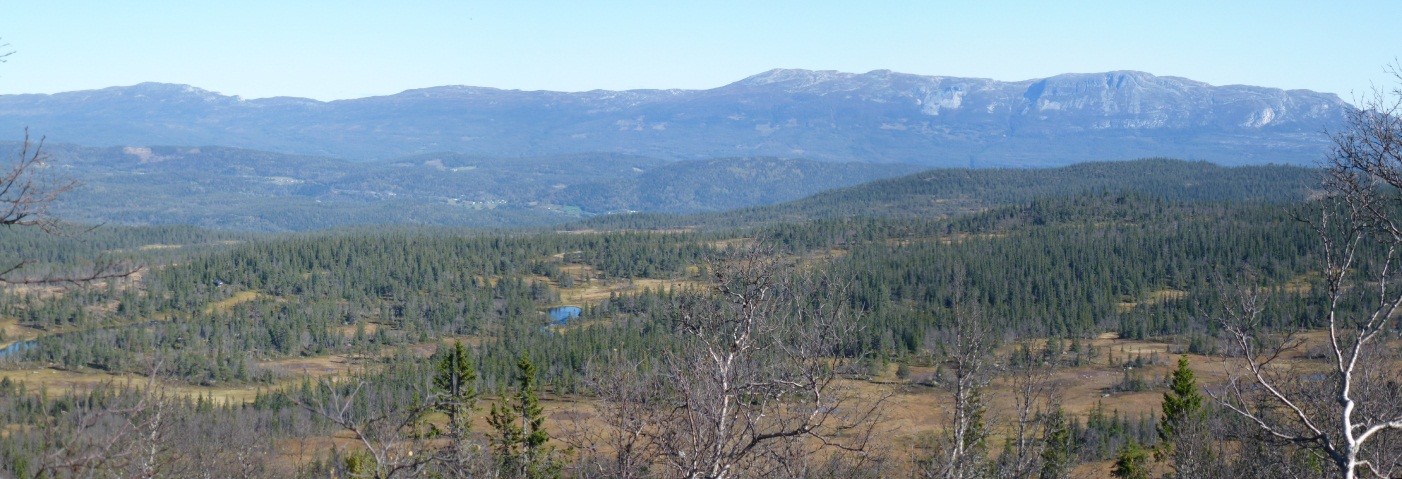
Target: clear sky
point(347, 49)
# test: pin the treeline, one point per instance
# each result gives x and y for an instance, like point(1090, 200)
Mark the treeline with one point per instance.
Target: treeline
point(69, 245)
point(1068, 267)
point(1072, 267)
point(954, 192)
point(216, 315)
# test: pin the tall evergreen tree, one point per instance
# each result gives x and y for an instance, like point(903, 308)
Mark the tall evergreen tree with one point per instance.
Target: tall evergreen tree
point(1184, 440)
point(455, 383)
point(521, 442)
point(1183, 402)
point(1132, 462)
point(1056, 446)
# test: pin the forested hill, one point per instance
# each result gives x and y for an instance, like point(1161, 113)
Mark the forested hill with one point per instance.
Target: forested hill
point(722, 184)
point(947, 192)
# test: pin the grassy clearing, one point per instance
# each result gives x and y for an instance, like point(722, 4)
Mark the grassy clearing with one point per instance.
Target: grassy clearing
point(910, 411)
point(1155, 297)
point(600, 290)
point(227, 304)
point(15, 332)
point(57, 381)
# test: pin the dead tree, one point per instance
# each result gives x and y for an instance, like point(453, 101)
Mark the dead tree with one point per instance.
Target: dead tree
point(112, 430)
point(26, 193)
point(392, 433)
point(752, 384)
point(965, 350)
point(1349, 411)
point(1034, 398)
point(622, 448)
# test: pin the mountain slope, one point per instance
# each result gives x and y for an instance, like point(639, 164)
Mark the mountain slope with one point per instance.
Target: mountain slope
point(879, 116)
point(723, 184)
point(949, 192)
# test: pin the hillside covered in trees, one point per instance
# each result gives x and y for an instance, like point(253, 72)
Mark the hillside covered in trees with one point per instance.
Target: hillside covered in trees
point(967, 299)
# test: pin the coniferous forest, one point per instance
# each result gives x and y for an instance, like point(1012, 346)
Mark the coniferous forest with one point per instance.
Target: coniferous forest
point(1154, 318)
point(1085, 331)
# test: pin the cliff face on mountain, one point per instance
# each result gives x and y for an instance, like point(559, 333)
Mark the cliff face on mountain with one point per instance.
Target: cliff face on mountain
point(879, 116)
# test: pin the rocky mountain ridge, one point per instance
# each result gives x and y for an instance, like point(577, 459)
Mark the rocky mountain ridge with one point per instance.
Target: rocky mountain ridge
point(879, 116)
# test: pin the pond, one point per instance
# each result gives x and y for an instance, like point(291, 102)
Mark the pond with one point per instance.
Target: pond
point(564, 314)
point(15, 348)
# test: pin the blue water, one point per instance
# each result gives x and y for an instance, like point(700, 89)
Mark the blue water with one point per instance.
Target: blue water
point(564, 314)
point(16, 348)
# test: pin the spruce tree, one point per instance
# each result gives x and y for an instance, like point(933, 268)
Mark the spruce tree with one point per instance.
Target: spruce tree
point(1181, 403)
point(1183, 440)
point(521, 442)
point(1056, 446)
point(1132, 462)
point(454, 381)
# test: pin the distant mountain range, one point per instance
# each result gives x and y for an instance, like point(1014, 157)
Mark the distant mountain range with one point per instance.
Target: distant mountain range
point(880, 116)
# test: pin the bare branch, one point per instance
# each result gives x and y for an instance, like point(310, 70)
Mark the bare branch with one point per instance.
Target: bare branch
point(1344, 412)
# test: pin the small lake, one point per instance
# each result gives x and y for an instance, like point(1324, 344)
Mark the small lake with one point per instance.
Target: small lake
point(560, 315)
point(15, 348)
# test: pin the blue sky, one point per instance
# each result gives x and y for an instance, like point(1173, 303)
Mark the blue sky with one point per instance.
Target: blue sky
point(346, 49)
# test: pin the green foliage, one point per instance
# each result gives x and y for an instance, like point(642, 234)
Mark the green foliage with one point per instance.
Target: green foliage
point(1132, 381)
point(358, 463)
point(455, 382)
point(520, 441)
point(1057, 443)
point(1132, 462)
point(1183, 433)
point(1183, 402)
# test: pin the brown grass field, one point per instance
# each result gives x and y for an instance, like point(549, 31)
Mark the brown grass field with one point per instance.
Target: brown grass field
point(910, 410)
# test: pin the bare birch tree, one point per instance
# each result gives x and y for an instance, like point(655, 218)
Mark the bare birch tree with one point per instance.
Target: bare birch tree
point(1352, 409)
point(965, 350)
point(26, 193)
point(113, 430)
point(1034, 398)
point(391, 435)
point(752, 387)
point(621, 449)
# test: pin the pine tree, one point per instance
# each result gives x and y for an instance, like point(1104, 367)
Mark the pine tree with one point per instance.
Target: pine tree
point(1056, 446)
point(521, 443)
point(455, 382)
point(1182, 432)
point(1181, 403)
point(1132, 462)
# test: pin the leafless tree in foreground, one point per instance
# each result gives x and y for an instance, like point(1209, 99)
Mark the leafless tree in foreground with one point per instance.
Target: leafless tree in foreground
point(621, 449)
point(388, 427)
point(965, 350)
point(751, 386)
point(26, 193)
point(110, 430)
point(1035, 397)
point(1351, 412)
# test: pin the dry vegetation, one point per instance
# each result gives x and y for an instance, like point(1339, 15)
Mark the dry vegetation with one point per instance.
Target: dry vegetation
point(911, 410)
